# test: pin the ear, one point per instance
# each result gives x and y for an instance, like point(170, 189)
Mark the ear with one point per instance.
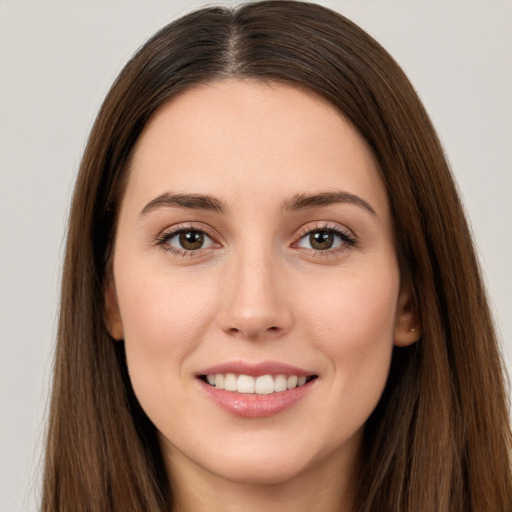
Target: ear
point(112, 315)
point(407, 323)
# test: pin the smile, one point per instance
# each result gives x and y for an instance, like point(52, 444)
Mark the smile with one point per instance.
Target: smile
point(256, 385)
point(256, 390)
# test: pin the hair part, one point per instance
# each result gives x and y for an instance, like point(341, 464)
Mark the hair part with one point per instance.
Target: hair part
point(440, 437)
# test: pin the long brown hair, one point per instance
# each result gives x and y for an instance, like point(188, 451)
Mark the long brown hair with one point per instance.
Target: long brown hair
point(439, 440)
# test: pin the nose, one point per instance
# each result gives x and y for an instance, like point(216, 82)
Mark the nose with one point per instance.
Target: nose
point(254, 301)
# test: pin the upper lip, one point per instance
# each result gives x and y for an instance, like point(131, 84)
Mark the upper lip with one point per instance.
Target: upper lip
point(255, 369)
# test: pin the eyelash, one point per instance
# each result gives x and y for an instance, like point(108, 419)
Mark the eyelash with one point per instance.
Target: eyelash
point(347, 237)
point(163, 239)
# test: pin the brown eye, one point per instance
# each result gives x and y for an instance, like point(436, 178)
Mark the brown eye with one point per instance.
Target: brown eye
point(321, 240)
point(326, 239)
point(191, 240)
point(188, 240)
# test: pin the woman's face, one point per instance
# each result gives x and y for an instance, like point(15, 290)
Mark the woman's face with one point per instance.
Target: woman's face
point(255, 251)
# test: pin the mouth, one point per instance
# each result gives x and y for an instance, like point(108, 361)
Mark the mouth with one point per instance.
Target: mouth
point(256, 390)
point(266, 384)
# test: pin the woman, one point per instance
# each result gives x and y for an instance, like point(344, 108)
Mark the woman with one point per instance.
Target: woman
point(270, 296)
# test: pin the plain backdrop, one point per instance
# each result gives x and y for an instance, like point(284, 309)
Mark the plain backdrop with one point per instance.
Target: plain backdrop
point(57, 61)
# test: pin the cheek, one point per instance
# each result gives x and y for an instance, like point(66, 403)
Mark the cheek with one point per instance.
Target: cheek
point(164, 321)
point(352, 324)
point(356, 306)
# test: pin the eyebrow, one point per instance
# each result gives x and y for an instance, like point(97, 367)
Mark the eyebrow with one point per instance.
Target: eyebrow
point(304, 201)
point(297, 202)
point(194, 201)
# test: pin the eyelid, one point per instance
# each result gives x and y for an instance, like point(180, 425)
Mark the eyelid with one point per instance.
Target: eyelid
point(172, 231)
point(346, 234)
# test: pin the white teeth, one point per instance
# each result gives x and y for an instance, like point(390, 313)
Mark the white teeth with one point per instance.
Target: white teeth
point(219, 381)
point(280, 383)
point(291, 382)
point(262, 385)
point(245, 384)
point(230, 382)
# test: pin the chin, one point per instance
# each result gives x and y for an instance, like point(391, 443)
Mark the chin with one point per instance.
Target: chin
point(271, 460)
point(259, 471)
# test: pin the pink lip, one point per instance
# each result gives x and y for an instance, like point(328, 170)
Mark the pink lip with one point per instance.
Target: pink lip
point(255, 406)
point(255, 369)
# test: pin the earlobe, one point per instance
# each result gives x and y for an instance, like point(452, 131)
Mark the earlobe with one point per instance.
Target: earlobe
point(113, 321)
point(407, 323)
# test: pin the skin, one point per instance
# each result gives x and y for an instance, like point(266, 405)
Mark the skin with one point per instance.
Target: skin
point(257, 290)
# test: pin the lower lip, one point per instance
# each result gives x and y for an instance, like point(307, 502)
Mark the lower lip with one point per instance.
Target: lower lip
point(256, 406)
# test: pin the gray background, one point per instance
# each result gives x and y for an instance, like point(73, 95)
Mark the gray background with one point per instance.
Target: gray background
point(57, 60)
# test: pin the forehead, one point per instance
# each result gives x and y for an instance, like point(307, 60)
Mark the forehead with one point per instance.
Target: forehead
point(233, 137)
